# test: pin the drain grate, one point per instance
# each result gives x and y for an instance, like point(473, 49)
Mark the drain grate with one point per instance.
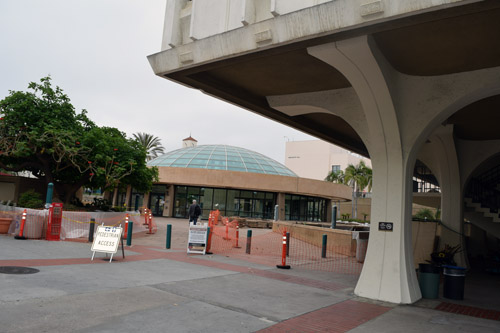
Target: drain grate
point(18, 270)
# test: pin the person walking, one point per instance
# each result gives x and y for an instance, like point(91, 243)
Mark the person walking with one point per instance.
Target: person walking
point(194, 212)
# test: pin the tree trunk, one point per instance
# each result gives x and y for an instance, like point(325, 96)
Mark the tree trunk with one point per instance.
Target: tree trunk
point(355, 215)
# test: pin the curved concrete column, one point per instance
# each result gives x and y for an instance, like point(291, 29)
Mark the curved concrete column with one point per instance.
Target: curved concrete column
point(440, 155)
point(388, 273)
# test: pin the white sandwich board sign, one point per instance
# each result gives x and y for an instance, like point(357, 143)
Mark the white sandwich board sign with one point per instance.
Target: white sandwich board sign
point(197, 241)
point(106, 240)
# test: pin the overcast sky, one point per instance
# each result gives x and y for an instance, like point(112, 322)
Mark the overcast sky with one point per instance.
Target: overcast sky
point(95, 50)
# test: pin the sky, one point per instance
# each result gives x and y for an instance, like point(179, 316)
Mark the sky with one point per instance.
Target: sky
point(95, 50)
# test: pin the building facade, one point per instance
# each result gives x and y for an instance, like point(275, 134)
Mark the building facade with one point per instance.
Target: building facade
point(238, 182)
point(315, 159)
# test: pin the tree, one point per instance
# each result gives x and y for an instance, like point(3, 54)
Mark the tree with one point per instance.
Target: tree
point(40, 132)
point(358, 177)
point(151, 143)
point(119, 161)
point(336, 177)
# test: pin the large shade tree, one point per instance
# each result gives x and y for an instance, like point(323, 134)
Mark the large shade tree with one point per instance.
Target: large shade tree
point(40, 132)
point(152, 144)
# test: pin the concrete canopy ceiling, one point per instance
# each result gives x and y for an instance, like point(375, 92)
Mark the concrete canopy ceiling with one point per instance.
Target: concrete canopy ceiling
point(478, 121)
point(456, 40)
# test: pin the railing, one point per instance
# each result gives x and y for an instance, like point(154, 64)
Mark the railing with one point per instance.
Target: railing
point(484, 193)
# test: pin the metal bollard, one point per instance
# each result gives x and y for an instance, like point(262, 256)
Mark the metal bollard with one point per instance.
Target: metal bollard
point(169, 235)
point(91, 230)
point(334, 217)
point(209, 240)
point(323, 247)
point(249, 241)
point(129, 232)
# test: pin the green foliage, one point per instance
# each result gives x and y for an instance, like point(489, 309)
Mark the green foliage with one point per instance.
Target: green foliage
point(424, 214)
point(40, 132)
point(437, 216)
point(358, 176)
point(336, 177)
point(30, 199)
point(446, 256)
point(151, 143)
point(100, 204)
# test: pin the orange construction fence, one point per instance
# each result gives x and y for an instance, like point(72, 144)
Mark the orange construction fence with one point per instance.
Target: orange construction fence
point(227, 238)
point(74, 225)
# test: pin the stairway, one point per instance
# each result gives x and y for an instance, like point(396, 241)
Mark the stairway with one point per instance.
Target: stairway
point(485, 211)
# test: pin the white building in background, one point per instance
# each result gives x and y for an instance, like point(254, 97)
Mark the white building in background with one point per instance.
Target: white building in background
point(315, 159)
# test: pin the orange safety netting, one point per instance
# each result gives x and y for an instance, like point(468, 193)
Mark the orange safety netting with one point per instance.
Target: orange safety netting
point(267, 248)
point(74, 225)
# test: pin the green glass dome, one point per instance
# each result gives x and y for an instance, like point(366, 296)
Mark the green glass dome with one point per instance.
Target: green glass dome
point(221, 157)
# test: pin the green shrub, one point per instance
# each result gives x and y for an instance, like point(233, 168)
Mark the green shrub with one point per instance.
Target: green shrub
point(424, 214)
point(30, 199)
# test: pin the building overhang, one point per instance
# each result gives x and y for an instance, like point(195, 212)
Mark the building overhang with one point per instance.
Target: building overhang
point(247, 65)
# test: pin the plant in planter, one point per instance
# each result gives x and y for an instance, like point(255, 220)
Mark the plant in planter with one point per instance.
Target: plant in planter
point(445, 256)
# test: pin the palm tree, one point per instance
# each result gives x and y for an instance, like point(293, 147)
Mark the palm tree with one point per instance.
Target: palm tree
point(151, 143)
point(336, 177)
point(358, 177)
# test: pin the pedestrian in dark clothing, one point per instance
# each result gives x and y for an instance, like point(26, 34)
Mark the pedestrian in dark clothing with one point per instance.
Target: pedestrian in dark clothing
point(194, 212)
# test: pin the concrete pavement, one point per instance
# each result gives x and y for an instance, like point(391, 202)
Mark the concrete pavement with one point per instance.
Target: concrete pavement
point(158, 290)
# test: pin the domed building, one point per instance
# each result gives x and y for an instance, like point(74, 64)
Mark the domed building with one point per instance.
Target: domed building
point(239, 182)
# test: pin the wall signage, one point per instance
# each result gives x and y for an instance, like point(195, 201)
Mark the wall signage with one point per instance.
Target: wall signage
point(385, 226)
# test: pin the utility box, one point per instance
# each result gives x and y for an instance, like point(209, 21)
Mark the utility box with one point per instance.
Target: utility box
point(54, 222)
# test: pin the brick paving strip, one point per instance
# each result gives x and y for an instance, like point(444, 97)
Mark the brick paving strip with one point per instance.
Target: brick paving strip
point(340, 317)
point(468, 311)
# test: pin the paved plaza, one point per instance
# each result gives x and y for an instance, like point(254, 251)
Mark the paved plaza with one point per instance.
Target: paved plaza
point(158, 290)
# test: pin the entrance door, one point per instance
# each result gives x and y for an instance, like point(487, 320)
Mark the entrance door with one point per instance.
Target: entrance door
point(156, 203)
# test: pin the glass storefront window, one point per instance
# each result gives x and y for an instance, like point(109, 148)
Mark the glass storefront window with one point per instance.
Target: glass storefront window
point(208, 194)
point(246, 194)
point(136, 199)
point(220, 198)
point(230, 202)
point(303, 208)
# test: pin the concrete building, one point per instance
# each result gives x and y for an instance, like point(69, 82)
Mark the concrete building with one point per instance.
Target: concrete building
point(237, 181)
point(315, 159)
point(395, 81)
